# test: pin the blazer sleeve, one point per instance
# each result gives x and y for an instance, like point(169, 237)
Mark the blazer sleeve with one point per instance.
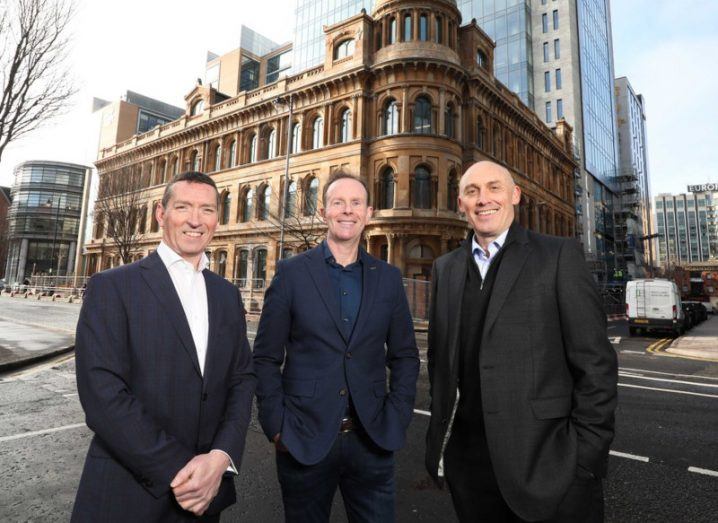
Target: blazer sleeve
point(269, 352)
point(402, 355)
point(591, 359)
point(112, 412)
point(232, 432)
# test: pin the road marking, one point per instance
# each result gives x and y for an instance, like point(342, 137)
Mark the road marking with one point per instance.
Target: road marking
point(666, 373)
point(615, 340)
point(41, 432)
point(707, 472)
point(668, 390)
point(651, 378)
point(422, 412)
point(659, 346)
point(628, 456)
point(640, 353)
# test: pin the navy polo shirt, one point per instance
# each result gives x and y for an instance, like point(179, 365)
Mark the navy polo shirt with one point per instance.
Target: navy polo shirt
point(347, 286)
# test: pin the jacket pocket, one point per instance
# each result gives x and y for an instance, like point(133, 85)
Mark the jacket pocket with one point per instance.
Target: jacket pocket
point(300, 388)
point(550, 408)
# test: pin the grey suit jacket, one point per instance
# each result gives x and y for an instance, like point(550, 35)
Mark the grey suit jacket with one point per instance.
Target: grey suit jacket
point(548, 372)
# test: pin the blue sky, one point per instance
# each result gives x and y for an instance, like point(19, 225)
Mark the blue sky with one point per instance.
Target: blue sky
point(666, 48)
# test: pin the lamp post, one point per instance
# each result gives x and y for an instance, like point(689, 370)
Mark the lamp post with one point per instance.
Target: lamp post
point(283, 202)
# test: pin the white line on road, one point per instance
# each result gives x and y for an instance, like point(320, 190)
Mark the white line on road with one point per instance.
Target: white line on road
point(666, 373)
point(633, 352)
point(628, 456)
point(668, 390)
point(682, 382)
point(707, 472)
point(41, 432)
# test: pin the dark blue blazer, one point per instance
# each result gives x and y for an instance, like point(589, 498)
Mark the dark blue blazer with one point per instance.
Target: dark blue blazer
point(300, 328)
point(144, 397)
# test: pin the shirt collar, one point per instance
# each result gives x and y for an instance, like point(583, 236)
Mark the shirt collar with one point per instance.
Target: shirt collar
point(329, 257)
point(494, 246)
point(169, 257)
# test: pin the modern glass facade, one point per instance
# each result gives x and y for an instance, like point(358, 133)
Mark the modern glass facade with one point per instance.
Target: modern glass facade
point(596, 58)
point(44, 219)
point(687, 227)
point(311, 16)
point(508, 23)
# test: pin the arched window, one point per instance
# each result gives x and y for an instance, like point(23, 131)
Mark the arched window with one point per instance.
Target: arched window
point(142, 223)
point(408, 28)
point(221, 263)
point(390, 118)
point(291, 205)
point(391, 37)
point(161, 173)
point(175, 166)
point(296, 136)
point(197, 108)
point(421, 252)
point(386, 189)
point(248, 205)
point(154, 224)
point(233, 153)
point(481, 59)
point(242, 264)
point(421, 194)
point(260, 268)
point(345, 124)
point(439, 30)
point(263, 203)
point(194, 161)
point(480, 133)
point(311, 196)
point(452, 191)
point(253, 149)
point(450, 121)
point(423, 28)
point(344, 49)
point(422, 115)
point(318, 133)
point(272, 144)
point(225, 206)
point(218, 158)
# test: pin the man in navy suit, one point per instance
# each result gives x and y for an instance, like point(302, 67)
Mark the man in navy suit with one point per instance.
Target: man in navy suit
point(164, 374)
point(336, 318)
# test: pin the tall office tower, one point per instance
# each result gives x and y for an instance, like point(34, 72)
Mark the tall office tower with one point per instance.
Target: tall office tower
point(311, 16)
point(687, 225)
point(633, 213)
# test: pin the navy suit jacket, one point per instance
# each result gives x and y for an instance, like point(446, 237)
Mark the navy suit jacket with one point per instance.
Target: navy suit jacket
point(300, 328)
point(144, 397)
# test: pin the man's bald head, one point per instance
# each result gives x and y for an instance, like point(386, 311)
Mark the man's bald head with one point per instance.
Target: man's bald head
point(489, 168)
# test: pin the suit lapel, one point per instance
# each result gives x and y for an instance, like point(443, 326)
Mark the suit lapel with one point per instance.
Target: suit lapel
point(318, 271)
point(513, 260)
point(159, 281)
point(370, 281)
point(213, 313)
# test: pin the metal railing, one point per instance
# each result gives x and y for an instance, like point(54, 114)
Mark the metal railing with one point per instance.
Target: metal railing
point(50, 285)
point(252, 292)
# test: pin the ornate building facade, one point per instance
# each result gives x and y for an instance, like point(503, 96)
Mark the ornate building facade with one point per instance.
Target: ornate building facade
point(405, 99)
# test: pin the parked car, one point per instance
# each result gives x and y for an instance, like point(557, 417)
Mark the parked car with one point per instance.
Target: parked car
point(691, 316)
point(654, 305)
point(700, 311)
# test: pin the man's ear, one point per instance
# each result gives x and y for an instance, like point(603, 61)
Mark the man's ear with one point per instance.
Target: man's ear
point(160, 214)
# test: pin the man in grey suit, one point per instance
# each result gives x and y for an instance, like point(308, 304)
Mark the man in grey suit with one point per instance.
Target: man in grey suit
point(523, 378)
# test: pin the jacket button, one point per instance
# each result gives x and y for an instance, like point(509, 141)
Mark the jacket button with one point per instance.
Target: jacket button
point(343, 392)
point(444, 420)
point(349, 355)
point(204, 396)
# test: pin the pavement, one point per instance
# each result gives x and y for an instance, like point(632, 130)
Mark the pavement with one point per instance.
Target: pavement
point(700, 342)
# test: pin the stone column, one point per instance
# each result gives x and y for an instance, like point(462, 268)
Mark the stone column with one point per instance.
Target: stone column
point(390, 248)
point(405, 122)
point(442, 112)
point(444, 245)
point(8, 265)
point(231, 252)
point(71, 259)
point(22, 260)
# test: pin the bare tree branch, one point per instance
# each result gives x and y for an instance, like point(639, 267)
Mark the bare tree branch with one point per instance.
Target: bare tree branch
point(34, 77)
point(122, 207)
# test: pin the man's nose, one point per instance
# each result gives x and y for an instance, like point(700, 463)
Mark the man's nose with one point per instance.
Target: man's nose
point(194, 218)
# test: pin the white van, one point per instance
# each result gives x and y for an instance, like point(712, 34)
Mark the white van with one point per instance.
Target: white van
point(654, 305)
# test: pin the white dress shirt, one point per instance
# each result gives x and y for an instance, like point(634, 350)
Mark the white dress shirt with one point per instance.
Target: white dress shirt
point(190, 286)
point(484, 258)
point(192, 291)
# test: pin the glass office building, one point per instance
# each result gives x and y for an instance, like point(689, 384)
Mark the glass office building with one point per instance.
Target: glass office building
point(311, 16)
point(508, 23)
point(687, 227)
point(596, 56)
point(44, 219)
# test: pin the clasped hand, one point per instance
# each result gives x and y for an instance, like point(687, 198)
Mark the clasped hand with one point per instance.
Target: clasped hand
point(197, 483)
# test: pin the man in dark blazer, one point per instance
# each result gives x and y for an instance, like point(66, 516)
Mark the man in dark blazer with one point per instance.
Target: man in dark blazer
point(164, 375)
point(523, 378)
point(336, 318)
